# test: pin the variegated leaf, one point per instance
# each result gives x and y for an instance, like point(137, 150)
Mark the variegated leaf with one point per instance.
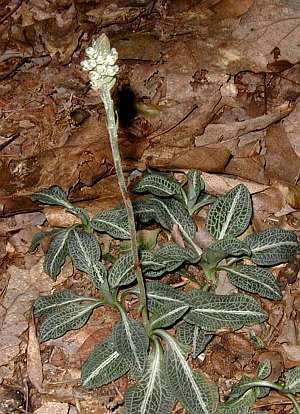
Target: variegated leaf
point(122, 271)
point(212, 312)
point(244, 385)
point(158, 184)
point(159, 294)
point(152, 394)
point(84, 249)
point(170, 256)
point(98, 275)
point(57, 254)
point(165, 316)
point(114, 222)
point(45, 305)
point(254, 279)
point(68, 318)
point(203, 200)
point(230, 215)
point(220, 249)
point(189, 387)
point(272, 246)
point(53, 195)
point(144, 210)
point(195, 186)
point(193, 336)
point(292, 380)
point(172, 212)
point(264, 369)
point(103, 365)
point(131, 341)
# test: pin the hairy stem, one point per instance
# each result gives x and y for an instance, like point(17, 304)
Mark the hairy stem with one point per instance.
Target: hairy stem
point(113, 137)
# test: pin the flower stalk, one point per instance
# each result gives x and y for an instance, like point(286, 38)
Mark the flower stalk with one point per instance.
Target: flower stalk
point(102, 69)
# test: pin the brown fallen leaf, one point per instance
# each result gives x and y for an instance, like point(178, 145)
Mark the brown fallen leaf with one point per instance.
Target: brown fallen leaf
point(282, 163)
point(231, 8)
point(52, 407)
point(25, 285)
point(219, 184)
point(225, 133)
point(207, 159)
point(34, 362)
point(288, 274)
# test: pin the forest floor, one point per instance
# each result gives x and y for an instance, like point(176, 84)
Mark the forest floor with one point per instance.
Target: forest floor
point(211, 85)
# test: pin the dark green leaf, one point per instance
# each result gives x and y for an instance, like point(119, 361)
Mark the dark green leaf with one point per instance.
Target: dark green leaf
point(51, 303)
point(84, 249)
point(254, 279)
point(122, 271)
point(53, 196)
point(170, 257)
point(57, 253)
point(203, 200)
point(68, 318)
point(114, 222)
point(98, 275)
point(160, 294)
point(165, 316)
point(226, 247)
point(292, 380)
point(144, 210)
point(239, 405)
point(272, 246)
point(195, 186)
point(212, 312)
point(152, 394)
point(131, 341)
point(192, 335)
point(230, 215)
point(189, 387)
point(172, 212)
point(158, 184)
point(264, 369)
point(103, 365)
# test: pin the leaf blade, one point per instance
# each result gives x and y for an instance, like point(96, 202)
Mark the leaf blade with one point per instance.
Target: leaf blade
point(57, 254)
point(212, 312)
point(158, 184)
point(53, 195)
point(70, 317)
point(131, 341)
point(103, 366)
point(190, 388)
point(230, 215)
point(84, 249)
point(151, 395)
point(272, 246)
point(114, 222)
point(254, 279)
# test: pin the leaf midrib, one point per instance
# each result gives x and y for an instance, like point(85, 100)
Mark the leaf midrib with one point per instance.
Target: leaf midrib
point(188, 372)
point(103, 365)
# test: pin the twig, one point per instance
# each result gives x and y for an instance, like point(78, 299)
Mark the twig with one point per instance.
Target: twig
point(175, 125)
point(9, 140)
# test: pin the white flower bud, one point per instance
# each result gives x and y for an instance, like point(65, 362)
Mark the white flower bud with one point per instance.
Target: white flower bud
point(101, 63)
